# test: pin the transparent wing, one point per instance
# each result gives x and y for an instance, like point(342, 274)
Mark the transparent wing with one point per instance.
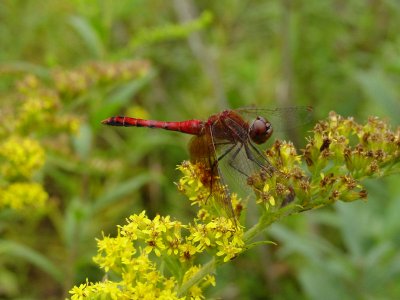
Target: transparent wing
point(282, 119)
point(203, 150)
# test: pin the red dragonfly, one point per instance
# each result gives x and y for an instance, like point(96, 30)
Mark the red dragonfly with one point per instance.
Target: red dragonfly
point(227, 141)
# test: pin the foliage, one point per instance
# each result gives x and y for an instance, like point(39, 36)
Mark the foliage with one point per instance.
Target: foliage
point(65, 179)
point(28, 143)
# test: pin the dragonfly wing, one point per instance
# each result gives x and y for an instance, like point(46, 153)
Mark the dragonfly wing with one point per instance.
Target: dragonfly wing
point(282, 119)
point(203, 151)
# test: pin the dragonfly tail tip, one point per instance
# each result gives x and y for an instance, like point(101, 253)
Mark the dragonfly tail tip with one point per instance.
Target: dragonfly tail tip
point(106, 121)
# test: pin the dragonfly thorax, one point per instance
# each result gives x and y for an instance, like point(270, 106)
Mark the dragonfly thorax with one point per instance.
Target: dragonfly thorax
point(260, 131)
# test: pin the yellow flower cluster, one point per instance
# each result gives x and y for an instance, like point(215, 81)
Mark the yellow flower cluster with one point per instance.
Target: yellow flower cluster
point(343, 152)
point(23, 197)
point(39, 108)
point(77, 81)
point(195, 184)
point(372, 149)
point(278, 190)
point(338, 156)
point(134, 257)
point(36, 109)
point(20, 157)
point(196, 292)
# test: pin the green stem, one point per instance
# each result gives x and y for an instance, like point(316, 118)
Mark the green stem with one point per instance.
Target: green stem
point(253, 231)
point(264, 222)
point(209, 267)
point(205, 270)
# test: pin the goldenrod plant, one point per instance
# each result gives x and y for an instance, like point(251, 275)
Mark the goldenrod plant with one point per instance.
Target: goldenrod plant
point(41, 134)
point(37, 122)
point(163, 258)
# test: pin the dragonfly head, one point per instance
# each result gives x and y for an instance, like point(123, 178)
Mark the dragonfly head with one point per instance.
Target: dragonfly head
point(260, 131)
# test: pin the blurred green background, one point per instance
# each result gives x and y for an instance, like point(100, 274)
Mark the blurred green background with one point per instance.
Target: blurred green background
point(177, 60)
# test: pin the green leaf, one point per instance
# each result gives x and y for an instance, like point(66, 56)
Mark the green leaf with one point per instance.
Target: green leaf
point(381, 90)
point(353, 236)
point(321, 286)
point(173, 266)
point(27, 67)
point(89, 35)
point(118, 99)
point(28, 254)
point(83, 141)
point(117, 192)
point(76, 213)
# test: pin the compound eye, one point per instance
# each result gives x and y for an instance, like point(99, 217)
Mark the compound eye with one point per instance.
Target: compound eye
point(260, 131)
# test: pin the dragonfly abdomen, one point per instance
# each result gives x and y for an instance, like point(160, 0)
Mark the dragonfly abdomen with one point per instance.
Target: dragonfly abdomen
point(194, 127)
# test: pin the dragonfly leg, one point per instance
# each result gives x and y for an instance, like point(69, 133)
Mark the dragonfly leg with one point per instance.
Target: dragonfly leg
point(231, 161)
point(226, 152)
point(214, 164)
point(261, 161)
point(221, 143)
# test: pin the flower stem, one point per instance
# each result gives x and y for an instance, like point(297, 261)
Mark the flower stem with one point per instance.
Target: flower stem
point(205, 270)
point(264, 222)
point(209, 267)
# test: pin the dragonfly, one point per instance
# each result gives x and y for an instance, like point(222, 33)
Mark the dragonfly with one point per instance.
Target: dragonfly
point(227, 142)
